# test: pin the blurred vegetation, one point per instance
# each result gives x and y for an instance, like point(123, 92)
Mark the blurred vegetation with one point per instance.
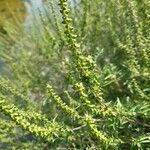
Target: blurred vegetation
point(78, 80)
point(11, 12)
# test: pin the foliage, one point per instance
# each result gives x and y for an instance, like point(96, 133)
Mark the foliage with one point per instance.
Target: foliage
point(81, 80)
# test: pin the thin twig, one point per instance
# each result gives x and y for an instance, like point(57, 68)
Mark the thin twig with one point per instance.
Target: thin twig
point(78, 128)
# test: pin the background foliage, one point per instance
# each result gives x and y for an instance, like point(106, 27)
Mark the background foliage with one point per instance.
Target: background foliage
point(80, 80)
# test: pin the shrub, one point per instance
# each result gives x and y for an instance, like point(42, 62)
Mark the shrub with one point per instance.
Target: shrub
point(83, 83)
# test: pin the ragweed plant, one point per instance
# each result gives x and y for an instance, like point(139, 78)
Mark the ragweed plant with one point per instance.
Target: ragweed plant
point(82, 83)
